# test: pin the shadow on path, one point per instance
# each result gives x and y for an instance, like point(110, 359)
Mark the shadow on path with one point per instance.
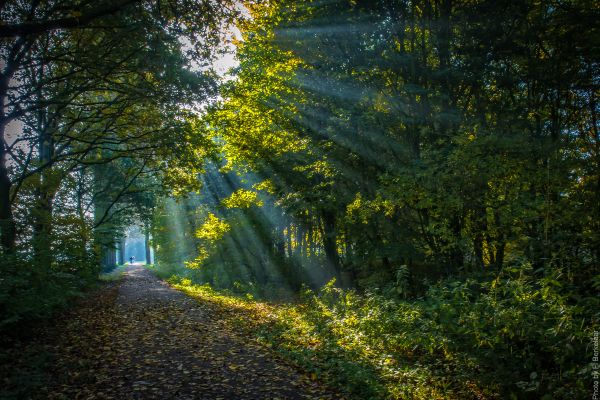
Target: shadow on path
point(141, 339)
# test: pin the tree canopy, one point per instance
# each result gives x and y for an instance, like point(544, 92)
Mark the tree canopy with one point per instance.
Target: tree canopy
point(97, 119)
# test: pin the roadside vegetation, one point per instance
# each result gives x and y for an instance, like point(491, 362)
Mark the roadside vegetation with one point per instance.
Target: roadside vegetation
point(510, 337)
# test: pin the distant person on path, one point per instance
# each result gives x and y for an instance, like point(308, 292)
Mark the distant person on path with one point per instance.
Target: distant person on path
point(131, 259)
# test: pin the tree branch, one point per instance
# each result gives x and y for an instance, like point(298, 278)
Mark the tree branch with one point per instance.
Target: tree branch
point(32, 28)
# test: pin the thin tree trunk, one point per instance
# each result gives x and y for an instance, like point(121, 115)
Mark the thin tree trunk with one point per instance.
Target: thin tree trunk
point(8, 232)
point(279, 240)
point(147, 242)
point(122, 251)
point(47, 187)
point(288, 240)
point(330, 242)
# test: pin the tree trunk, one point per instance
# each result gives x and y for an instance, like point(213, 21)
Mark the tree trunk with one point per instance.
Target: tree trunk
point(279, 240)
point(288, 240)
point(42, 226)
point(330, 242)
point(147, 242)
point(8, 231)
point(108, 257)
point(122, 251)
point(500, 247)
point(47, 187)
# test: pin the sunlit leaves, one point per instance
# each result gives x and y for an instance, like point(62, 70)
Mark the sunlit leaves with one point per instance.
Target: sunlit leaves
point(266, 185)
point(242, 198)
point(212, 229)
point(378, 348)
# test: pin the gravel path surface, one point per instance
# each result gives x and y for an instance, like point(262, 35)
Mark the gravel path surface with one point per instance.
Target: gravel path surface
point(142, 339)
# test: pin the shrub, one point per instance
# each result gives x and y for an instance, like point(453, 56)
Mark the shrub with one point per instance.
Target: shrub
point(509, 336)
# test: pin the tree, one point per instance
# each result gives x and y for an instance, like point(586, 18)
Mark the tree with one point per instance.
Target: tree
point(58, 76)
point(97, 110)
point(415, 133)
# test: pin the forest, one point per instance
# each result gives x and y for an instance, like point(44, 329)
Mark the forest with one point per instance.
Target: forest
point(400, 198)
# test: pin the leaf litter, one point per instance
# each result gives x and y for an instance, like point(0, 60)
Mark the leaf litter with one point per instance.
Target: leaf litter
point(141, 339)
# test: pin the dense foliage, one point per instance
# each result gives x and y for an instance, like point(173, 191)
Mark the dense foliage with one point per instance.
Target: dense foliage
point(415, 133)
point(96, 121)
point(439, 155)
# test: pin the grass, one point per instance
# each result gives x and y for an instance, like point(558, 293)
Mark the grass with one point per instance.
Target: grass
point(114, 275)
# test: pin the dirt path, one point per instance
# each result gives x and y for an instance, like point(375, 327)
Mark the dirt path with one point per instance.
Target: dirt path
point(141, 339)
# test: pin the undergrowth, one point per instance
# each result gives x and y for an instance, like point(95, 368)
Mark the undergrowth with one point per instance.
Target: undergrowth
point(31, 294)
point(508, 337)
point(28, 305)
point(114, 275)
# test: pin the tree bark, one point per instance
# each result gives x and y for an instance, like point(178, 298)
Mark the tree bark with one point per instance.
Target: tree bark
point(147, 242)
point(37, 27)
point(122, 251)
point(8, 233)
point(108, 257)
point(46, 190)
point(330, 242)
point(7, 223)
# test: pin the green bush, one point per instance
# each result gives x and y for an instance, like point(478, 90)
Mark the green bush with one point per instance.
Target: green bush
point(30, 294)
point(515, 333)
point(508, 336)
